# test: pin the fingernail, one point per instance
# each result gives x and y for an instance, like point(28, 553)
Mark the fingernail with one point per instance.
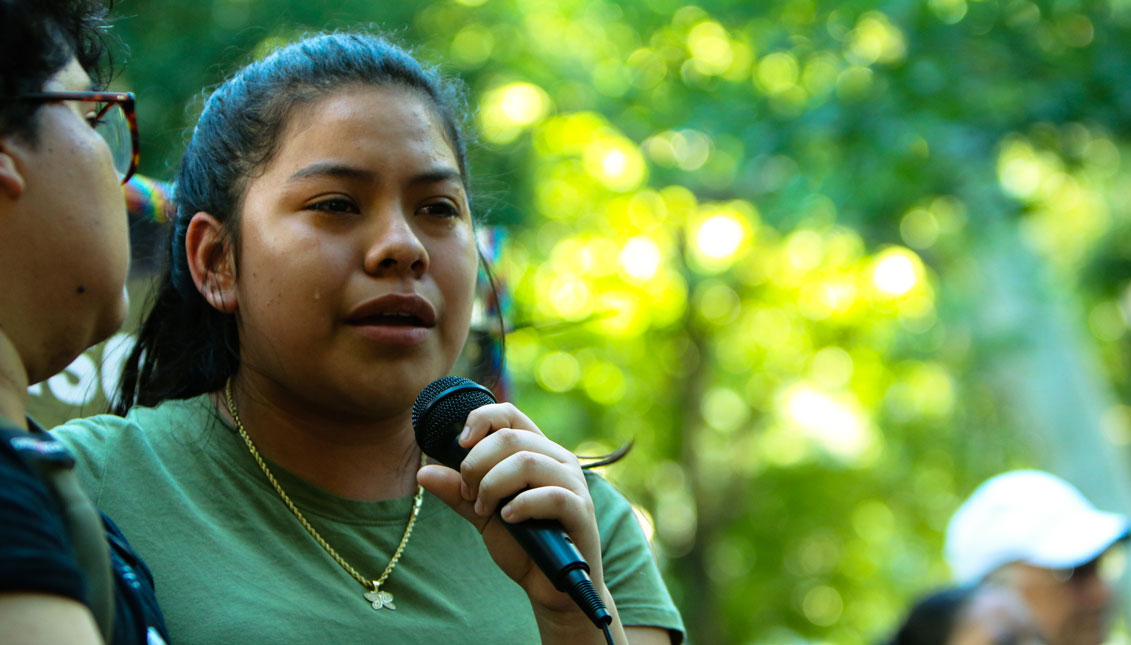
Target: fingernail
point(465, 491)
point(507, 512)
point(465, 434)
point(479, 507)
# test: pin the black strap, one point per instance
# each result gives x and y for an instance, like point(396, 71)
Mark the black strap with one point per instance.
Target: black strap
point(88, 535)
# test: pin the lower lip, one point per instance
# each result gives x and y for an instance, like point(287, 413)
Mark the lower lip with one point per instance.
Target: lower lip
point(393, 335)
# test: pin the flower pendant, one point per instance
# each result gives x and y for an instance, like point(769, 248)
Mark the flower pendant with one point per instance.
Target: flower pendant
point(380, 599)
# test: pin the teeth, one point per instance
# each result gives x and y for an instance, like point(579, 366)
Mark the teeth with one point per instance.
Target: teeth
point(394, 317)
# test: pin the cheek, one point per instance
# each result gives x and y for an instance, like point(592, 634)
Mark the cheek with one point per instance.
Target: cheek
point(88, 146)
point(468, 278)
point(284, 273)
point(457, 279)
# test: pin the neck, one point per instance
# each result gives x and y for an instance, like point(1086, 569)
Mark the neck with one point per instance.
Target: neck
point(363, 459)
point(13, 384)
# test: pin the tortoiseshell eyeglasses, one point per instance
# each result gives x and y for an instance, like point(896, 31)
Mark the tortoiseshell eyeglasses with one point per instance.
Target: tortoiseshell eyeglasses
point(112, 117)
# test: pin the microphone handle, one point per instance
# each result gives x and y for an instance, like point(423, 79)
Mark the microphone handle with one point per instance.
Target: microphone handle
point(545, 541)
point(548, 545)
point(551, 548)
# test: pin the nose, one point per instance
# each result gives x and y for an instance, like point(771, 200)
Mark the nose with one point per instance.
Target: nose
point(394, 247)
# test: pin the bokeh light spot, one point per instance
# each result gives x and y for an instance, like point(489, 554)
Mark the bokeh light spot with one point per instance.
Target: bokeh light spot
point(831, 367)
point(604, 382)
point(919, 228)
point(558, 372)
point(570, 297)
point(640, 258)
point(948, 11)
point(506, 111)
point(710, 47)
point(472, 45)
point(778, 72)
point(718, 303)
point(835, 426)
point(822, 605)
point(719, 236)
point(523, 103)
point(723, 409)
point(895, 273)
point(616, 163)
point(876, 40)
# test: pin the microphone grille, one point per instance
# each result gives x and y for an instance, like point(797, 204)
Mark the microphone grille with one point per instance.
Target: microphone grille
point(442, 407)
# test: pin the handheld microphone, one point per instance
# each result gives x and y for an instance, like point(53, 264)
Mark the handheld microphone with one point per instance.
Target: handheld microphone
point(438, 417)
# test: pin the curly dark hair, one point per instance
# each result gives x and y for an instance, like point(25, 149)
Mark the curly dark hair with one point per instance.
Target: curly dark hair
point(37, 39)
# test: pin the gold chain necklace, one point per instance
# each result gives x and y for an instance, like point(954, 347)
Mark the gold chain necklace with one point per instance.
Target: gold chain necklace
point(376, 597)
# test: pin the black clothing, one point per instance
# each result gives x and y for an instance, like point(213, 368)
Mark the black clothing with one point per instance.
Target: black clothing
point(37, 554)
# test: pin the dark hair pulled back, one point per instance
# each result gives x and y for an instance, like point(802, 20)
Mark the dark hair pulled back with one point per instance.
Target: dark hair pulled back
point(186, 347)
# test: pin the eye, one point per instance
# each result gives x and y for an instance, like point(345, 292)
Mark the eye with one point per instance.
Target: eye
point(94, 117)
point(334, 205)
point(444, 209)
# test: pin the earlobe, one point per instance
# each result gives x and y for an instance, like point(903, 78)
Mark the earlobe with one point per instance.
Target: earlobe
point(211, 263)
point(11, 179)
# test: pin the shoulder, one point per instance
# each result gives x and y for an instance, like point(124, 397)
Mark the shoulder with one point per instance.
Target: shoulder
point(621, 528)
point(94, 441)
point(142, 424)
point(143, 435)
point(611, 505)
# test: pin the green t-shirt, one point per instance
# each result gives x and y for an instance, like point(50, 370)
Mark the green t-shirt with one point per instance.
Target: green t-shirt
point(232, 565)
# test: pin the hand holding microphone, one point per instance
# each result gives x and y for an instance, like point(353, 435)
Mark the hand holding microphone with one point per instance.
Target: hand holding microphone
point(513, 467)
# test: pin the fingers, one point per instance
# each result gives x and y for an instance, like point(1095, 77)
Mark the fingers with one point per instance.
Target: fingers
point(538, 454)
point(524, 471)
point(489, 418)
point(445, 483)
point(574, 511)
point(512, 464)
point(510, 457)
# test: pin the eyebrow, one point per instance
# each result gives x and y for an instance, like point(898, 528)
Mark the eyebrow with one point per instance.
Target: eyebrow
point(437, 175)
point(331, 169)
point(334, 169)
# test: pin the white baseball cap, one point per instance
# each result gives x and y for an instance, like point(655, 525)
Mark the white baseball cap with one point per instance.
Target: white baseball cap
point(1027, 516)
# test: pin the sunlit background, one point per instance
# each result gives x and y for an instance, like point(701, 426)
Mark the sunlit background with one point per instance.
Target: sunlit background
point(828, 264)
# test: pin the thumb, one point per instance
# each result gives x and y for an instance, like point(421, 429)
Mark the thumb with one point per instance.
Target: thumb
point(444, 483)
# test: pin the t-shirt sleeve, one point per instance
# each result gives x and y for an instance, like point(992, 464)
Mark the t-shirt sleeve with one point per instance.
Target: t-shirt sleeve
point(630, 568)
point(91, 442)
point(35, 551)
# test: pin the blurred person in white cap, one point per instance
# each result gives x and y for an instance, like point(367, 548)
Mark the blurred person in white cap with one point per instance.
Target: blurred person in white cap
point(1035, 533)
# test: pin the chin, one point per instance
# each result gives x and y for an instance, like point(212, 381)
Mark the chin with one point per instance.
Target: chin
point(112, 320)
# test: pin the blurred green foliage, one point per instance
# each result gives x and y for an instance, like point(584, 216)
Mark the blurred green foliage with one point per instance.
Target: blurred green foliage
point(753, 237)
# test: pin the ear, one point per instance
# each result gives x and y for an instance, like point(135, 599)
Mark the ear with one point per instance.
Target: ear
point(11, 178)
point(211, 262)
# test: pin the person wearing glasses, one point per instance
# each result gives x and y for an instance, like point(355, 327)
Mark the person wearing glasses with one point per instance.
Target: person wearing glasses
point(67, 574)
point(1035, 534)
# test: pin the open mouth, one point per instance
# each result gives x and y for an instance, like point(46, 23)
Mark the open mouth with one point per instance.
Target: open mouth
point(393, 310)
point(392, 319)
